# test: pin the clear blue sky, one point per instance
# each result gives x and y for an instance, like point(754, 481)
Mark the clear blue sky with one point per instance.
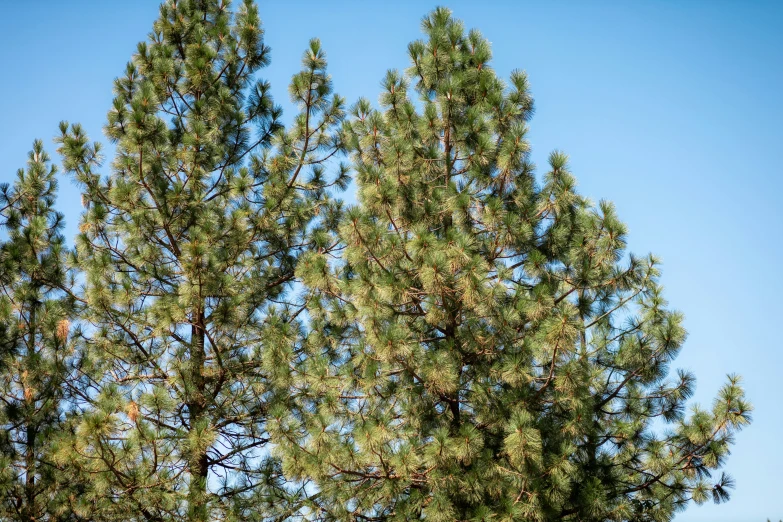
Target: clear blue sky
point(670, 109)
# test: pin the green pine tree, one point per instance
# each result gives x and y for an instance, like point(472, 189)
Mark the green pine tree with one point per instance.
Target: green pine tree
point(35, 329)
point(189, 247)
point(485, 349)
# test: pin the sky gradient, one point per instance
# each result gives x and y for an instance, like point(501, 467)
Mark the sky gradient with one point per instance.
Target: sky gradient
point(671, 110)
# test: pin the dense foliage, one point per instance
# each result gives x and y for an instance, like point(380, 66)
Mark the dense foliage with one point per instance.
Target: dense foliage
point(467, 342)
point(188, 249)
point(484, 348)
point(36, 315)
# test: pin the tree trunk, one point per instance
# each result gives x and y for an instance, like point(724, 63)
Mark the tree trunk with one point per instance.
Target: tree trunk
point(28, 510)
point(197, 459)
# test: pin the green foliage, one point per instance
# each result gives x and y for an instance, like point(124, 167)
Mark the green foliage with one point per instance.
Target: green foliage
point(35, 347)
point(484, 349)
point(189, 248)
point(469, 342)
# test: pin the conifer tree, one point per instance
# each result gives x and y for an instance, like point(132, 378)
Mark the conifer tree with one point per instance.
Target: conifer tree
point(189, 247)
point(35, 323)
point(485, 349)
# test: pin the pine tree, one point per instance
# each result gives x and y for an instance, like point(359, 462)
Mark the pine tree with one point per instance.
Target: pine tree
point(485, 349)
point(189, 247)
point(35, 323)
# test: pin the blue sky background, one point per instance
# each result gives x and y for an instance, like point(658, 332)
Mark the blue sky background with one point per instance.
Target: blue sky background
point(670, 109)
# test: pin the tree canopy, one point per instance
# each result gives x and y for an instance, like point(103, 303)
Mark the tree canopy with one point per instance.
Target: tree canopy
point(228, 340)
point(36, 315)
point(485, 349)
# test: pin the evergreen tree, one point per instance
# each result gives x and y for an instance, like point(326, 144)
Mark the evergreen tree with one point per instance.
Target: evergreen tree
point(485, 349)
point(189, 248)
point(35, 323)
